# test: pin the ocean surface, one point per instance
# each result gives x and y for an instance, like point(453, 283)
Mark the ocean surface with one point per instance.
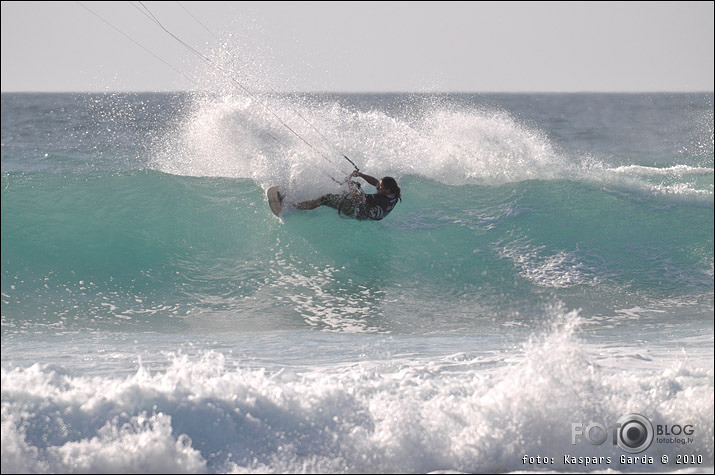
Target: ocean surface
point(547, 276)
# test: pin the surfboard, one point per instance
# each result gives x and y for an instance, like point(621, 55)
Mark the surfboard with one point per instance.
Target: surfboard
point(275, 200)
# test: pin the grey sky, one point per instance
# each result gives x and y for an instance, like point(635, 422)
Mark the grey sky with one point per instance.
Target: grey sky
point(364, 46)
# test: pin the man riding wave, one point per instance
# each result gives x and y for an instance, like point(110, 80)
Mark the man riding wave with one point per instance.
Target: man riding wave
point(355, 203)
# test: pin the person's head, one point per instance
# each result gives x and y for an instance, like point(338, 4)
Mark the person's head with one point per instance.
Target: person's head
point(389, 186)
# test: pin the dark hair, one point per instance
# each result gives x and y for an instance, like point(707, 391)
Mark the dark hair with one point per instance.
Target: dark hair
point(390, 183)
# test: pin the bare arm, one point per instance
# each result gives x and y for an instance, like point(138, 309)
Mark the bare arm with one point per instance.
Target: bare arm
point(370, 179)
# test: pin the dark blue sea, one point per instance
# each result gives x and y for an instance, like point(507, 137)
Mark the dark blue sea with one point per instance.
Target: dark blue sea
point(540, 300)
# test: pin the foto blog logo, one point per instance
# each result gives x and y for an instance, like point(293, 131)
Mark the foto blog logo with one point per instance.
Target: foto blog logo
point(633, 433)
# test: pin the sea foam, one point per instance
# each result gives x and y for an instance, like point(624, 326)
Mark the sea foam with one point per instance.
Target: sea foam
point(208, 413)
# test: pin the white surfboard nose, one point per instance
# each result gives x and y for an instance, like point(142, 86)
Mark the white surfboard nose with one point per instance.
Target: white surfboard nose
point(275, 200)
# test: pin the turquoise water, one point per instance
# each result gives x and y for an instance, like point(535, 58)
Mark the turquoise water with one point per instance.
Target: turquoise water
point(179, 245)
point(551, 261)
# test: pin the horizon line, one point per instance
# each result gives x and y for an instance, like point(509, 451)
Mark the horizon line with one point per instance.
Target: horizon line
point(175, 91)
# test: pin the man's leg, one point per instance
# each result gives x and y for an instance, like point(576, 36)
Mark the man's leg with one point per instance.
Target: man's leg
point(310, 204)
